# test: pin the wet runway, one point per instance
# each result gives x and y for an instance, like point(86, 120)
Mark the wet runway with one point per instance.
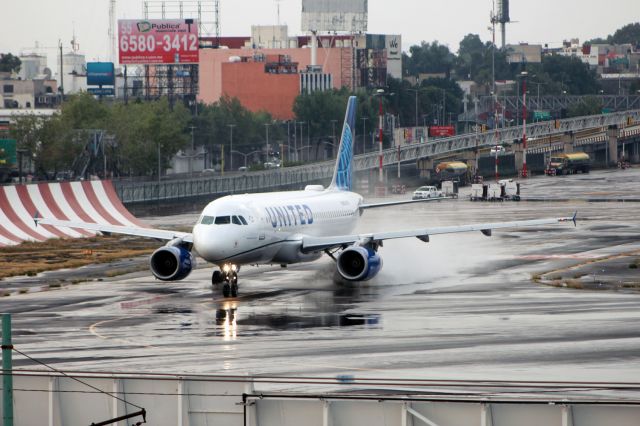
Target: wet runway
point(460, 307)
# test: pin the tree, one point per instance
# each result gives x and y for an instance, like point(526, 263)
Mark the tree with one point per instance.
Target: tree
point(470, 57)
point(143, 129)
point(630, 33)
point(591, 105)
point(429, 58)
point(570, 75)
point(9, 63)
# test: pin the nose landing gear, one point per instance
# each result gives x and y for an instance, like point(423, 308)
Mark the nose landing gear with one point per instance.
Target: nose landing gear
point(228, 276)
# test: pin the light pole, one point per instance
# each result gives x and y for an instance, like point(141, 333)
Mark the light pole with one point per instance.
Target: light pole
point(364, 135)
point(301, 138)
point(231, 126)
point(416, 92)
point(246, 155)
point(333, 132)
point(379, 94)
point(523, 74)
point(266, 127)
point(288, 143)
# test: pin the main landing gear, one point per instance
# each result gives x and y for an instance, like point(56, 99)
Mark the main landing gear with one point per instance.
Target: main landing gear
point(228, 276)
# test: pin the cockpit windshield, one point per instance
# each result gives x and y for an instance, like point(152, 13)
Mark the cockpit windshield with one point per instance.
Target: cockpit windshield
point(223, 220)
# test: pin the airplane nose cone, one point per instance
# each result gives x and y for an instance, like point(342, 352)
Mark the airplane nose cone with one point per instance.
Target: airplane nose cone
point(205, 245)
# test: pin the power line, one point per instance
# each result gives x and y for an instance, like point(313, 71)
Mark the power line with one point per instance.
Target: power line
point(78, 380)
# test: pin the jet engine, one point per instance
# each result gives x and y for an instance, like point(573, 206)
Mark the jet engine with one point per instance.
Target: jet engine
point(171, 263)
point(358, 263)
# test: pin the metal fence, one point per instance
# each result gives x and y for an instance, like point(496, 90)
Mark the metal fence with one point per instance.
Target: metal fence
point(297, 177)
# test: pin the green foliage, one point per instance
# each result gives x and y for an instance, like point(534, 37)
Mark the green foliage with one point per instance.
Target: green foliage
point(591, 105)
point(325, 111)
point(570, 74)
point(9, 63)
point(141, 129)
point(428, 58)
point(630, 33)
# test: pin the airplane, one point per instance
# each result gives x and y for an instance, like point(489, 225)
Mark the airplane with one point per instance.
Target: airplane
point(285, 228)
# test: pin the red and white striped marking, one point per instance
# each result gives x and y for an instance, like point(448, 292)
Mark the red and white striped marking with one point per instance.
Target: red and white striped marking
point(89, 201)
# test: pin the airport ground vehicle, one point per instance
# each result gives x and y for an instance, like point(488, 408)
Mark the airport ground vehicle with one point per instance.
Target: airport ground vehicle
point(505, 189)
point(452, 170)
point(498, 149)
point(565, 164)
point(426, 192)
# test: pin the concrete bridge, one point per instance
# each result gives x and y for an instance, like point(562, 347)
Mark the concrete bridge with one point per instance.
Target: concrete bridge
point(607, 133)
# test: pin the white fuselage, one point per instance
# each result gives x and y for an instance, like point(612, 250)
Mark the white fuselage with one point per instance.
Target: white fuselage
point(268, 227)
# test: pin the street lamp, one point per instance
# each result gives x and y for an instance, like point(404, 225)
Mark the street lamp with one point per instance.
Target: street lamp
point(301, 140)
point(364, 135)
point(416, 108)
point(231, 126)
point(523, 75)
point(380, 94)
point(333, 133)
point(266, 127)
point(246, 155)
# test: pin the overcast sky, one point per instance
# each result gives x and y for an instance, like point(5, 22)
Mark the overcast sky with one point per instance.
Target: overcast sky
point(23, 23)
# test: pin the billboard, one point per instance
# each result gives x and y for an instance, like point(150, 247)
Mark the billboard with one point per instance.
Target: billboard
point(7, 153)
point(436, 131)
point(100, 74)
point(157, 41)
point(334, 15)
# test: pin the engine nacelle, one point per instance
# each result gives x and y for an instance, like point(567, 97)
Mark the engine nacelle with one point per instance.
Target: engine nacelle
point(171, 263)
point(358, 263)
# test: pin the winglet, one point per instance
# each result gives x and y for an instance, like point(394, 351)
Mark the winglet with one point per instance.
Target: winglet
point(575, 215)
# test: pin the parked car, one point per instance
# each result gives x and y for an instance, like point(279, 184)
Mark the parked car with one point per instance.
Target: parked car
point(498, 149)
point(426, 192)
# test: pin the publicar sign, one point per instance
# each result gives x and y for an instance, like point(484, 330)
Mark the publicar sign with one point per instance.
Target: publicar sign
point(158, 41)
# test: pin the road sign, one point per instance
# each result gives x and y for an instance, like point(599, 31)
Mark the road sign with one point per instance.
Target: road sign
point(8, 153)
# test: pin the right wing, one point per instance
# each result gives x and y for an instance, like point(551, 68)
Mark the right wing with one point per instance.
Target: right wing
point(399, 202)
point(159, 234)
point(311, 244)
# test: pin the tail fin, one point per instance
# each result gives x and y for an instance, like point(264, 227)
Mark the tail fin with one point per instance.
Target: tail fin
point(343, 170)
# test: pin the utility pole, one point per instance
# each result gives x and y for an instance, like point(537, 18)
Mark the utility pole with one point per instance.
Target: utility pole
point(380, 93)
point(61, 88)
point(364, 135)
point(266, 126)
point(7, 376)
point(524, 124)
point(231, 126)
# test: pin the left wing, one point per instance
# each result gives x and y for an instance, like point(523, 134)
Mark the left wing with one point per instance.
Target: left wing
point(159, 234)
point(311, 244)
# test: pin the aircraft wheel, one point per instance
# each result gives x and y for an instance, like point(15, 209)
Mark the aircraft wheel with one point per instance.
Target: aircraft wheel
point(234, 289)
point(216, 277)
point(226, 290)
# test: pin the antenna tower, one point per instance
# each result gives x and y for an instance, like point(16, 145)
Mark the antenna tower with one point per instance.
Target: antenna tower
point(501, 16)
point(112, 32)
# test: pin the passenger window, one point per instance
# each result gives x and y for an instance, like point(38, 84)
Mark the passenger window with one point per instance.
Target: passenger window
point(207, 220)
point(235, 220)
point(243, 220)
point(223, 220)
